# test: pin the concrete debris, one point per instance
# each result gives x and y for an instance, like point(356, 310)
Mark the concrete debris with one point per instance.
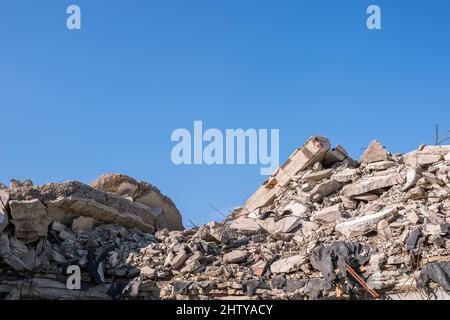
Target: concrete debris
point(346, 175)
point(362, 225)
point(30, 219)
point(312, 152)
point(412, 176)
point(144, 193)
point(287, 265)
point(374, 153)
point(426, 156)
point(387, 217)
point(371, 184)
point(83, 224)
point(381, 165)
point(235, 256)
point(318, 175)
point(330, 214)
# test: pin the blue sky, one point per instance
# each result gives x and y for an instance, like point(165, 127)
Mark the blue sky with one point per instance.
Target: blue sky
point(77, 104)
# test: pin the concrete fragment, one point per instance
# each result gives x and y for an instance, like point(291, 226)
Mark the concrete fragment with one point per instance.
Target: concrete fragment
point(436, 229)
point(83, 224)
point(318, 176)
point(286, 224)
point(326, 188)
point(371, 184)
point(105, 214)
point(4, 220)
point(426, 156)
point(65, 235)
point(376, 261)
point(309, 228)
point(412, 176)
point(57, 226)
point(39, 288)
point(287, 265)
point(144, 193)
point(147, 272)
point(193, 267)
point(381, 165)
point(412, 217)
point(374, 153)
point(235, 256)
point(397, 260)
point(297, 209)
point(72, 199)
point(179, 259)
point(313, 151)
point(337, 154)
point(246, 225)
point(366, 197)
point(8, 257)
point(329, 214)
point(346, 175)
point(384, 229)
point(30, 219)
point(365, 224)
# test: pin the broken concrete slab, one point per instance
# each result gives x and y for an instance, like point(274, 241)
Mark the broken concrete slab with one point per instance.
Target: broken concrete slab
point(426, 155)
point(285, 225)
point(326, 188)
point(8, 257)
point(346, 175)
point(366, 197)
point(30, 219)
point(53, 193)
point(313, 151)
point(83, 224)
point(236, 256)
point(371, 184)
point(179, 259)
point(381, 165)
point(374, 153)
point(51, 289)
point(333, 156)
point(144, 193)
point(384, 229)
point(447, 157)
point(287, 265)
point(362, 225)
point(329, 214)
point(421, 159)
point(246, 225)
point(105, 214)
point(318, 175)
point(297, 209)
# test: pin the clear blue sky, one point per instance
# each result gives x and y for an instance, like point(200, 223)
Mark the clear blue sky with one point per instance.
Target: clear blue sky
point(77, 104)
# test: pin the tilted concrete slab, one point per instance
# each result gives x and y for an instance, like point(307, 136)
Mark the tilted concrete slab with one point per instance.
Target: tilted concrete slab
point(313, 151)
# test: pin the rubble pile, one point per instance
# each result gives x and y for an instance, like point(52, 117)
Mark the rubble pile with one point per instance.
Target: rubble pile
point(324, 226)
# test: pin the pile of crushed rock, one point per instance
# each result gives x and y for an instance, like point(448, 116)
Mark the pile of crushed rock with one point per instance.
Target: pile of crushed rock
point(324, 226)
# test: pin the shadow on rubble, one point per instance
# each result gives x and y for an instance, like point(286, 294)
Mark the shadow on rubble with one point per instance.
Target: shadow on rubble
point(45, 269)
